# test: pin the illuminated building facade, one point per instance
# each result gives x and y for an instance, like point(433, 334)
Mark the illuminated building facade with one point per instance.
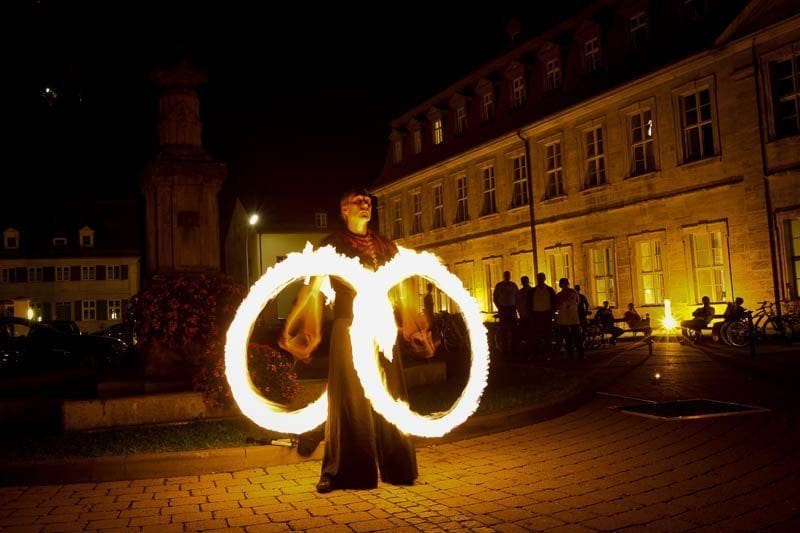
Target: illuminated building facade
point(662, 143)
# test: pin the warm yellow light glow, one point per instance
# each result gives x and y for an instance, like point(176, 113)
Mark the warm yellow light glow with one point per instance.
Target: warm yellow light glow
point(668, 321)
point(253, 220)
point(373, 326)
point(30, 314)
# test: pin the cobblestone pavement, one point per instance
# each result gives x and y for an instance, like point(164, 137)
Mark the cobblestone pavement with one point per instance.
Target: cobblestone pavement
point(593, 469)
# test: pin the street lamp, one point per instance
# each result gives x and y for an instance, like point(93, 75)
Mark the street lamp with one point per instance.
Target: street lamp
point(252, 221)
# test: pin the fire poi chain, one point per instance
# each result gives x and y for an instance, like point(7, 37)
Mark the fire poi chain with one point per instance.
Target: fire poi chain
point(373, 331)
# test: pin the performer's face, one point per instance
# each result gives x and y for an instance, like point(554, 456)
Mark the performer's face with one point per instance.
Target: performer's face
point(358, 206)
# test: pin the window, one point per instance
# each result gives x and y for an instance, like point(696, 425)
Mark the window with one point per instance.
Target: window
point(62, 273)
point(554, 170)
point(115, 309)
point(518, 92)
point(88, 310)
point(461, 119)
point(466, 273)
point(558, 265)
point(708, 264)
point(11, 239)
point(552, 77)
point(697, 125)
point(642, 143)
point(6, 275)
point(492, 275)
point(113, 272)
point(489, 203)
point(397, 224)
point(602, 265)
point(87, 273)
point(438, 207)
point(591, 55)
point(320, 220)
point(651, 272)
point(462, 211)
point(793, 244)
point(63, 310)
point(487, 106)
point(34, 273)
point(398, 151)
point(595, 157)
point(417, 136)
point(438, 132)
point(86, 237)
point(416, 215)
point(785, 78)
point(637, 30)
point(59, 241)
point(519, 179)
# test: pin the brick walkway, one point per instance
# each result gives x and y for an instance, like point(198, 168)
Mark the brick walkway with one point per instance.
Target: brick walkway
point(593, 469)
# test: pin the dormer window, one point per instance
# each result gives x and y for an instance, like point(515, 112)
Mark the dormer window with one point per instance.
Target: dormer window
point(86, 237)
point(11, 239)
point(552, 75)
point(461, 119)
point(487, 106)
point(417, 138)
point(637, 30)
point(321, 220)
point(438, 131)
point(518, 92)
point(591, 55)
point(59, 242)
point(398, 151)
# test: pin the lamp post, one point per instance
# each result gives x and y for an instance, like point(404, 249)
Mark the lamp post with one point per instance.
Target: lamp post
point(252, 221)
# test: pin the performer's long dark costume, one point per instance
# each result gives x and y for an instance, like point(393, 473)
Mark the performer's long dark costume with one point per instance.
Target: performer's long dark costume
point(358, 440)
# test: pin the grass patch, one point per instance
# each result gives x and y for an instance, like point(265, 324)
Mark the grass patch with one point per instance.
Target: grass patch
point(508, 388)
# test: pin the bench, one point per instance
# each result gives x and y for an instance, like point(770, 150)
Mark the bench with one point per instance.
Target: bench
point(698, 333)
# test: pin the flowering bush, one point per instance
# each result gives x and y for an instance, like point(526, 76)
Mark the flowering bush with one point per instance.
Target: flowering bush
point(189, 314)
point(271, 371)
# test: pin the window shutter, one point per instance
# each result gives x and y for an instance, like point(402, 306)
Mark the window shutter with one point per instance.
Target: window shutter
point(100, 272)
point(124, 272)
point(22, 274)
point(75, 273)
point(78, 309)
point(49, 274)
point(47, 310)
point(102, 309)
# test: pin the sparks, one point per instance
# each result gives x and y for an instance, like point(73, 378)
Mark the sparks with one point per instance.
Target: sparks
point(668, 321)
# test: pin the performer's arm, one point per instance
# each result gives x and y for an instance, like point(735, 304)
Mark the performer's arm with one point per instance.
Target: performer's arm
point(303, 330)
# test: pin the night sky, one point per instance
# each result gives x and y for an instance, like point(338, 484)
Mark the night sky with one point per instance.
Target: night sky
point(299, 96)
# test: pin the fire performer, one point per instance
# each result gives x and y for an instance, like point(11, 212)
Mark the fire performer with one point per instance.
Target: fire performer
point(358, 441)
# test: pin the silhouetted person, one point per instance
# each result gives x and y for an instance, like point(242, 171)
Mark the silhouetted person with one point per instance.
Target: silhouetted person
point(505, 298)
point(569, 323)
point(543, 308)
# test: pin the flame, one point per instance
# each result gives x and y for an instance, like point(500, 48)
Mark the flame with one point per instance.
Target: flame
point(373, 329)
point(668, 321)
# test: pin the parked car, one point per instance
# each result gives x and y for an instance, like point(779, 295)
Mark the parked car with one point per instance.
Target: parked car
point(69, 327)
point(31, 348)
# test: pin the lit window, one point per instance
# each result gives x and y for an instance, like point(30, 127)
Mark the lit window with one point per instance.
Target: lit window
point(416, 219)
point(88, 273)
point(88, 310)
point(417, 135)
point(518, 92)
point(553, 74)
point(487, 106)
point(708, 265)
point(637, 29)
point(38, 311)
point(320, 220)
point(438, 131)
point(397, 226)
point(461, 120)
point(603, 275)
point(793, 245)
point(642, 143)
point(591, 55)
point(115, 309)
point(595, 157)
point(62, 273)
point(651, 272)
point(462, 207)
point(489, 203)
point(398, 151)
point(785, 77)
point(697, 125)
point(438, 207)
point(554, 170)
point(558, 265)
point(519, 179)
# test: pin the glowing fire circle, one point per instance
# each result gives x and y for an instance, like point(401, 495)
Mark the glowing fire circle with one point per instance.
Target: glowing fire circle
point(373, 326)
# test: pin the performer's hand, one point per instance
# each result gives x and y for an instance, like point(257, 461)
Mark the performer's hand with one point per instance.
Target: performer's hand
point(423, 344)
point(301, 346)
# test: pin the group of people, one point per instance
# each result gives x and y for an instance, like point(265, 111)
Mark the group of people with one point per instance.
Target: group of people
point(702, 317)
point(533, 310)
